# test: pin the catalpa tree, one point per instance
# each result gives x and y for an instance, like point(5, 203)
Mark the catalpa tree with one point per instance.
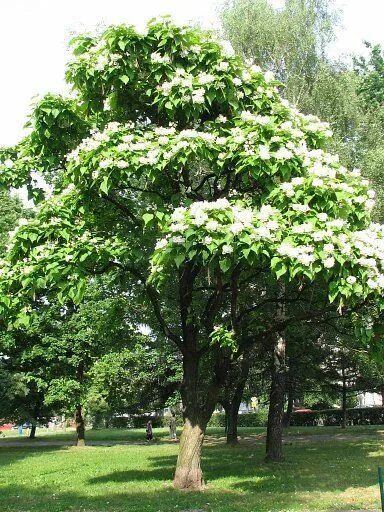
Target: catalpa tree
point(198, 186)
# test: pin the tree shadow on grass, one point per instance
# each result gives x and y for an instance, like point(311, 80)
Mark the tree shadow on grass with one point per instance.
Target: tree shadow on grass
point(237, 481)
point(306, 468)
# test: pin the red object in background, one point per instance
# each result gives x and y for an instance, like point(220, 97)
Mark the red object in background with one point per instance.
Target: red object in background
point(7, 426)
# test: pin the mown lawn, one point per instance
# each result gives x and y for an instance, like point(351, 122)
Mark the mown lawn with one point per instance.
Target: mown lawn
point(330, 475)
point(162, 434)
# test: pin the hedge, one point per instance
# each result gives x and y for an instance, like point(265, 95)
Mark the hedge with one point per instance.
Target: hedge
point(258, 419)
point(334, 417)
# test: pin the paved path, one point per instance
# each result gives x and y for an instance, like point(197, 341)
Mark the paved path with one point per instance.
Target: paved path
point(209, 440)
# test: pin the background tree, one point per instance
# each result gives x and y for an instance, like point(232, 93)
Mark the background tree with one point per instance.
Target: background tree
point(136, 380)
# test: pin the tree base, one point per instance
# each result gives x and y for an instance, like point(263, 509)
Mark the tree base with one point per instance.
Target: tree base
point(80, 442)
point(188, 480)
point(274, 458)
point(188, 475)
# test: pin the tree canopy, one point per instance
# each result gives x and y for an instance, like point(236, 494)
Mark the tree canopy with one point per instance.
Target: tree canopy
point(196, 180)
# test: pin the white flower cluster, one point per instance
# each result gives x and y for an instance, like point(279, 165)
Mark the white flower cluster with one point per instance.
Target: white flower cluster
point(95, 140)
point(157, 58)
point(219, 222)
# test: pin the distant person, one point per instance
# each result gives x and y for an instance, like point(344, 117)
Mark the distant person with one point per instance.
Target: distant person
point(172, 426)
point(149, 431)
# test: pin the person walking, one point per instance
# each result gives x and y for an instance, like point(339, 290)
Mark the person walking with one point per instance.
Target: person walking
point(172, 426)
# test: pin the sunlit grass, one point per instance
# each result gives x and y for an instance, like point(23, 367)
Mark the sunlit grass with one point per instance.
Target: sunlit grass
point(327, 475)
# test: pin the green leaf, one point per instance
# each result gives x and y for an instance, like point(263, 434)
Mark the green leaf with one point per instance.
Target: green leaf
point(147, 217)
point(104, 187)
point(124, 79)
point(225, 264)
point(179, 258)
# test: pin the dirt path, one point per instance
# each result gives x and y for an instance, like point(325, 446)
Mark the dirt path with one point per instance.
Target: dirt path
point(209, 440)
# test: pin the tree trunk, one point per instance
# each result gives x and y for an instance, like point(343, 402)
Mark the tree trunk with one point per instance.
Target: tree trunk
point(382, 394)
point(226, 406)
point(232, 426)
point(344, 401)
point(188, 475)
point(288, 414)
point(198, 403)
point(198, 408)
point(274, 446)
point(32, 433)
point(80, 428)
point(233, 412)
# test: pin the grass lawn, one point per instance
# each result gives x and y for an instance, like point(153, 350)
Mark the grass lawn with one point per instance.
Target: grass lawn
point(327, 475)
point(162, 434)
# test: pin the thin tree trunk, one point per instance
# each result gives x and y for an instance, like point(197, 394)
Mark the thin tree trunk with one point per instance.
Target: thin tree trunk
point(344, 401)
point(274, 446)
point(226, 406)
point(288, 413)
point(80, 427)
point(232, 436)
point(382, 394)
point(36, 413)
point(32, 433)
point(233, 416)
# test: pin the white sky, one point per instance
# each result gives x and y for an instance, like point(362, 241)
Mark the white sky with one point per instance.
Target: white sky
point(34, 36)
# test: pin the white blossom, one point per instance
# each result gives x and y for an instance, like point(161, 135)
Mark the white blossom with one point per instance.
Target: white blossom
point(329, 262)
point(160, 244)
point(227, 249)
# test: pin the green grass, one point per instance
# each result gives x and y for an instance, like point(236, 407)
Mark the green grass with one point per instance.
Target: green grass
point(129, 435)
point(162, 434)
point(327, 475)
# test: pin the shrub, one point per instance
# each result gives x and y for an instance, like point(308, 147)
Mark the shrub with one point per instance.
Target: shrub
point(258, 419)
point(333, 417)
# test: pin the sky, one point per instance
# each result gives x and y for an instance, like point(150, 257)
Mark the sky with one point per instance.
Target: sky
point(34, 36)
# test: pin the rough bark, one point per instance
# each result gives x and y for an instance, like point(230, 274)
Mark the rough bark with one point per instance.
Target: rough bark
point(274, 445)
point(198, 408)
point(188, 475)
point(199, 398)
point(80, 427)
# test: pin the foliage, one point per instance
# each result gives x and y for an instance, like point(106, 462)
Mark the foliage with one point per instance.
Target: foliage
point(11, 211)
point(12, 388)
point(258, 419)
point(196, 180)
point(135, 380)
point(372, 74)
point(307, 206)
point(290, 41)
